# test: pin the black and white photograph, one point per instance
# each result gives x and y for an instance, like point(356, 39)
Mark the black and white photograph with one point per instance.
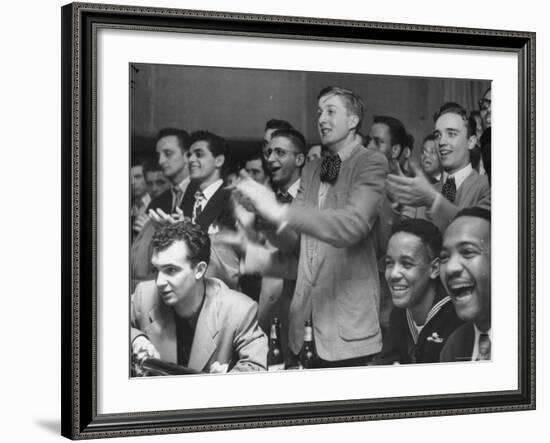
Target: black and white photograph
point(284, 220)
point(271, 221)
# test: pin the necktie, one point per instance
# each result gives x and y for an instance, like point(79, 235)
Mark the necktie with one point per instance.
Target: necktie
point(484, 351)
point(197, 209)
point(449, 189)
point(330, 167)
point(284, 197)
point(177, 195)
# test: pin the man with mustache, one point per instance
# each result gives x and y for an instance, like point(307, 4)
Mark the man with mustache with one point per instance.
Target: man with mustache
point(462, 186)
point(466, 274)
point(423, 316)
point(331, 221)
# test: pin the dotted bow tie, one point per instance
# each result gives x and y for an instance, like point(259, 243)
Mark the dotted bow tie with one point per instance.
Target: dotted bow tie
point(330, 167)
point(449, 189)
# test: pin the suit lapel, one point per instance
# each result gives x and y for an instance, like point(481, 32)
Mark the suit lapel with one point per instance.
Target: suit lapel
point(162, 331)
point(213, 208)
point(204, 343)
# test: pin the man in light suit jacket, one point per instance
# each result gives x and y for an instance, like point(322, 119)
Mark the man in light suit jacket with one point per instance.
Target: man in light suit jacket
point(461, 185)
point(331, 219)
point(184, 318)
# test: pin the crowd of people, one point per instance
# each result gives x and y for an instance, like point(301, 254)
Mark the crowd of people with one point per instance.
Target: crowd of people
point(386, 256)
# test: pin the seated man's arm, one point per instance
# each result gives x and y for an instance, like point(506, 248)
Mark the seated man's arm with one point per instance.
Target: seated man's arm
point(250, 343)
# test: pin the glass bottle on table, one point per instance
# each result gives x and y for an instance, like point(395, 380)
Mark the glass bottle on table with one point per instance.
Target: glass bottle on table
point(308, 356)
point(275, 358)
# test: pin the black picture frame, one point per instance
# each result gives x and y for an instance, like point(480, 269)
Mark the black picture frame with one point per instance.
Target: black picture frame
point(79, 211)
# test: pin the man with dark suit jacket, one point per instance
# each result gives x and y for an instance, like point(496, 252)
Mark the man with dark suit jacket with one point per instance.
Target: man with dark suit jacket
point(466, 275)
point(461, 185)
point(184, 318)
point(331, 218)
point(205, 201)
point(171, 147)
point(423, 316)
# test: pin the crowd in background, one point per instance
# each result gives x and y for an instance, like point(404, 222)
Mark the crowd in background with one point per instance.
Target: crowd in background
point(384, 253)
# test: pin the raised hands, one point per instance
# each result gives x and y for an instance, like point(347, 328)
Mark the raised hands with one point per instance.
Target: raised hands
point(412, 191)
point(159, 217)
point(257, 198)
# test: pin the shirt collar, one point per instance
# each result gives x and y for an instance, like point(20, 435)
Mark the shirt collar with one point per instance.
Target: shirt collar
point(459, 176)
point(211, 189)
point(184, 183)
point(293, 190)
point(477, 333)
point(346, 151)
point(146, 199)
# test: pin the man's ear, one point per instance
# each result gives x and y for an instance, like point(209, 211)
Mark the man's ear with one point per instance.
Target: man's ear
point(200, 270)
point(353, 121)
point(434, 268)
point(472, 140)
point(406, 152)
point(395, 151)
point(300, 159)
point(219, 160)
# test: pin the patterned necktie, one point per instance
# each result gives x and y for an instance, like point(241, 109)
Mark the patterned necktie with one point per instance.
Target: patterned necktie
point(177, 195)
point(197, 208)
point(330, 167)
point(449, 189)
point(284, 197)
point(484, 351)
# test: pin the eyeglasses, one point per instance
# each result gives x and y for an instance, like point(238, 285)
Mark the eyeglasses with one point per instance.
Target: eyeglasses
point(484, 104)
point(278, 152)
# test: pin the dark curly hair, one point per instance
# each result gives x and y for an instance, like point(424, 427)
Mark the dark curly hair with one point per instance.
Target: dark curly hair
point(196, 240)
point(426, 231)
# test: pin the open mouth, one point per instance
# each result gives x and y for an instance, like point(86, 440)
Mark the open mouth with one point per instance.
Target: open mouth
point(461, 291)
point(325, 131)
point(399, 289)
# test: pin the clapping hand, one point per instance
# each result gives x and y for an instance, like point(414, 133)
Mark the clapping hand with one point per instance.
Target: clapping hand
point(159, 217)
point(412, 191)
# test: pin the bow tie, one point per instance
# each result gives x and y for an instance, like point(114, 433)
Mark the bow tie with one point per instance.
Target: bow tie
point(449, 189)
point(330, 167)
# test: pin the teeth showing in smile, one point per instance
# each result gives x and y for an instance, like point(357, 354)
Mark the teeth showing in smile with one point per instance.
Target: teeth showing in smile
point(461, 290)
point(399, 288)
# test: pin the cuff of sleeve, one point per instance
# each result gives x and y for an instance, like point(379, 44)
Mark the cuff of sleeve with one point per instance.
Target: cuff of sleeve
point(435, 205)
point(283, 219)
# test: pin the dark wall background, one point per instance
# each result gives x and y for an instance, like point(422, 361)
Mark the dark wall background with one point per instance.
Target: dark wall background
point(236, 103)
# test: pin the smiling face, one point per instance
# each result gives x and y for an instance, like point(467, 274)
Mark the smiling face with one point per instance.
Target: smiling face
point(204, 168)
point(284, 162)
point(466, 269)
point(429, 158)
point(409, 270)
point(172, 159)
point(451, 133)
point(335, 123)
point(176, 275)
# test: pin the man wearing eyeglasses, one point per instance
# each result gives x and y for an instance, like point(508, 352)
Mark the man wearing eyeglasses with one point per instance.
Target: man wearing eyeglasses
point(485, 141)
point(331, 219)
point(462, 186)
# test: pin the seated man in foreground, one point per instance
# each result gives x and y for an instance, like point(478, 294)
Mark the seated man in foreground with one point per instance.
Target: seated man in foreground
point(466, 274)
point(184, 318)
point(423, 316)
